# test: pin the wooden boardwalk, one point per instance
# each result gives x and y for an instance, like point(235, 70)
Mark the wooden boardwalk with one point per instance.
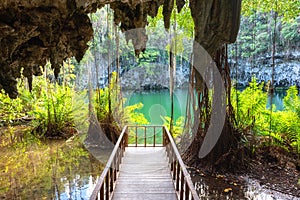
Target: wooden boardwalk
point(144, 174)
point(147, 166)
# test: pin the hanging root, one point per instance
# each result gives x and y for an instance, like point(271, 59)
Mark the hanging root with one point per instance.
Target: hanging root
point(111, 130)
point(229, 154)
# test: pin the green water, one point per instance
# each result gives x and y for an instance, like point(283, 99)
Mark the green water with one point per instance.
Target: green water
point(157, 104)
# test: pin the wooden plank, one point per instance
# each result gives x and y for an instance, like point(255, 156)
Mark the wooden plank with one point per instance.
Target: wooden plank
point(144, 174)
point(144, 179)
point(145, 196)
point(153, 184)
point(142, 189)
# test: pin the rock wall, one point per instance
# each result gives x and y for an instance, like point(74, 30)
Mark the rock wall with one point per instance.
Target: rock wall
point(158, 77)
point(287, 70)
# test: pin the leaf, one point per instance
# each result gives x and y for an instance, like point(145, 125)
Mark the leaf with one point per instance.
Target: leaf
point(220, 176)
point(226, 190)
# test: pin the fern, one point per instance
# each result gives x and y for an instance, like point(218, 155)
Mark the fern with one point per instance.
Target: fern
point(122, 115)
point(292, 100)
point(52, 108)
point(250, 106)
point(178, 126)
point(253, 117)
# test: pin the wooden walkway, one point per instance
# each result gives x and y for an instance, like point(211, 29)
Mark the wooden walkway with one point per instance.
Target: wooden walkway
point(145, 164)
point(144, 174)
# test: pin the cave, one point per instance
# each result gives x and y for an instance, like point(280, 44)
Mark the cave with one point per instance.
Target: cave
point(36, 31)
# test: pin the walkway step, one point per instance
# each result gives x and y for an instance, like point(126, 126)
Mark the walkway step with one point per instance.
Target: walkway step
point(144, 174)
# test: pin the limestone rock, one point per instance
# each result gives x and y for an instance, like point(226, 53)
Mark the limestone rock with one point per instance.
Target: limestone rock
point(32, 35)
point(34, 31)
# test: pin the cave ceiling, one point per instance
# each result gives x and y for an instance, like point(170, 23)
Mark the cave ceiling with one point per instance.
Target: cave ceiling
point(33, 32)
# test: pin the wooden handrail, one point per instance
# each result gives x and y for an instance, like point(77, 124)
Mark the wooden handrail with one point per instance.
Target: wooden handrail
point(105, 184)
point(182, 180)
point(141, 141)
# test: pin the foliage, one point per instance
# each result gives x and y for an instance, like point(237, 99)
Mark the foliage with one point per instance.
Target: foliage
point(120, 114)
point(289, 32)
point(53, 111)
point(49, 105)
point(10, 109)
point(135, 117)
point(286, 125)
point(250, 105)
point(256, 121)
point(184, 21)
point(289, 9)
point(184, 30)
point(177, 127)
point(258, 27)
point(292, 100)
point(255, 42)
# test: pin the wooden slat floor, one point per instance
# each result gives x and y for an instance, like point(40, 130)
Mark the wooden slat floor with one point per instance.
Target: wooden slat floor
point(144, 174)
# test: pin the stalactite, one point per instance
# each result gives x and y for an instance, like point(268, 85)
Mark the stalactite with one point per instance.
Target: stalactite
point(32, 32)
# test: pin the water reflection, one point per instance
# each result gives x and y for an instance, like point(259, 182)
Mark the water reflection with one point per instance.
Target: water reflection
point(48, 171)
point(79, 188)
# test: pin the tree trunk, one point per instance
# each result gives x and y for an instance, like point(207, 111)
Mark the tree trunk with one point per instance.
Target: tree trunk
point(225, 154)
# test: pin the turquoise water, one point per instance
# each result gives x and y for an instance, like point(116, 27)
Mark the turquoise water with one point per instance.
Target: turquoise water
point(157, 104)
point(277, 100)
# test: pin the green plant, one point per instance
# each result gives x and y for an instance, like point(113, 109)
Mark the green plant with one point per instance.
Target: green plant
point(52, 110)
point(10, 109)
point(120, 114)
point(257, 122)
point(178, 125)
point(292, 100)
point(250, 107)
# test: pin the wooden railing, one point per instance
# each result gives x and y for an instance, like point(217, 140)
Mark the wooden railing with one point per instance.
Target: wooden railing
point(182, 181)
point(106, 182)
point(145, 135)
point(139, 137)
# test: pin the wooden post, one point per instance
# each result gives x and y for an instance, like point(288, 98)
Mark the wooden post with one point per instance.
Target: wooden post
point(111, 173)
point(136, 136)
point(115, 166)
point(171, 159)
point(177, 175)
point(107, 185)
point(187, 191)
point(102, 192)
point(118, 160)
point(126, 137)
point(154, 133)
point(174, 169)
point(164, 136)
point(181, 185)
point(145, 136)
